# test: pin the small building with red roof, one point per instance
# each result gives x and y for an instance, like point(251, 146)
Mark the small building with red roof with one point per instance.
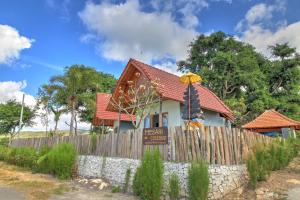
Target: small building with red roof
point(171, 92)
point(273, 123)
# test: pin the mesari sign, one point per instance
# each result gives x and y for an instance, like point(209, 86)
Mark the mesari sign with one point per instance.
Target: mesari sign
point(155, 136)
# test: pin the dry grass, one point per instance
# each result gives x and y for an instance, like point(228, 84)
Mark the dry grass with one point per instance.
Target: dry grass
point(34, 186)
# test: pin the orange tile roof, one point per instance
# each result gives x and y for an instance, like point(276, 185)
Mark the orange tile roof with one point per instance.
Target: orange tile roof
point(271, 119)
point(170, 87)
point(102, 101)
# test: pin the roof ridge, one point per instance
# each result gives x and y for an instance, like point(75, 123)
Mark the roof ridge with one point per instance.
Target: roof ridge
point(285, 117)
point(154, 67)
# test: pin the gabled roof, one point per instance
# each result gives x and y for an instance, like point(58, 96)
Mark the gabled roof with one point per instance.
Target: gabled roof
point(104, 117)
point(170, 87)
point(271, 119)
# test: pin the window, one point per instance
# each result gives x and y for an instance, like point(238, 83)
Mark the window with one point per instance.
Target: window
point(155, 121)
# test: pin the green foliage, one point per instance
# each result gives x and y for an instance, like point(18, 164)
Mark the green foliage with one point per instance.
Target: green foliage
point(59, 161)
point(267, 158)
point(4, 153)
point(174, 187)
point(252, 170)
point(116, 189)
point(246, 80)
point(4, 141)
point(198, 181)
point(127, 179)
point(148, 179)
point(76, 89)
point(24, 156)
point(10, 114)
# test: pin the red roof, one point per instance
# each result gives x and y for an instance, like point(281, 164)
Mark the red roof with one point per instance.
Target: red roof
point(170, 87)
point(102, 116)
point(271, 119)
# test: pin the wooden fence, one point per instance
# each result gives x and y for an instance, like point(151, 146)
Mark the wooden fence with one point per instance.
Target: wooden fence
point(217, 145)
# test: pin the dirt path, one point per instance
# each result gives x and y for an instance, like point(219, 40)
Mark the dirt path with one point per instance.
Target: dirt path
point(19, 184)
point(282, 184)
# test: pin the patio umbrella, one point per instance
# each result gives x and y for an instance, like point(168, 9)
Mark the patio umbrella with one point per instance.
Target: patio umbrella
point(192, 108)
point(190, 78)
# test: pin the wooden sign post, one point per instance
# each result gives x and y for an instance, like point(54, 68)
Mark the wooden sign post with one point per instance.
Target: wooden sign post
point(155, 136)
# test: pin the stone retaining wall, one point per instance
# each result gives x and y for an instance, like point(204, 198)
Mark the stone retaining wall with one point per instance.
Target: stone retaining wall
point(223, 179)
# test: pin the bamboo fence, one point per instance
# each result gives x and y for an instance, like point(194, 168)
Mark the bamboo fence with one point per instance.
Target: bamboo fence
point(216, 145)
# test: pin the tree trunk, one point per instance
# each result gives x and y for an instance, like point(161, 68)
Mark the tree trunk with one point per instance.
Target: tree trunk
point(75, 120)
point(55, 127)
point(72, 118)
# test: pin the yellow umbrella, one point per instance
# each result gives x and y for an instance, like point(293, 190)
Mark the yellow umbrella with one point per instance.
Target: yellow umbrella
point(190, 78)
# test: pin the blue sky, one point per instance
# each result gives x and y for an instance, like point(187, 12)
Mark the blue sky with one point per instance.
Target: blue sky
point(104, 34)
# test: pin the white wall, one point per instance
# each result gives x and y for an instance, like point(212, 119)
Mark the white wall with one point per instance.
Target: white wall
point(173, 110)
point(211, 118)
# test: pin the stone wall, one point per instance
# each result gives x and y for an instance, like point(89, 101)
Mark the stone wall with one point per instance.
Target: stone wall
point(223, 179)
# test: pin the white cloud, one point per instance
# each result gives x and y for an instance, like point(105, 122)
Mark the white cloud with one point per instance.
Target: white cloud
point(260, 14)
point(168, 66)
point(12, 43)
point(262, 38)
point(124, 31)
point(10, 90)
point(261, 30)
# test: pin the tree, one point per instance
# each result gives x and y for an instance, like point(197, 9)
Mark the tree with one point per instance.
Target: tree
point(75, 90)
point(232, 70)
point(284, 79)
point(10, 116)
point(137, 99)
point(47, 98)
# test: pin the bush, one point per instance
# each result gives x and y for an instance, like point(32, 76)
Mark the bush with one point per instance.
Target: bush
point(263, 166)
point(267, 158)
point(198, 181)
point(127, 178)
point(252, 170)
point(59, 161)
point(4, 141)
point(174, 187)
point(148, 179)
point(24, 156)
point(4, 152)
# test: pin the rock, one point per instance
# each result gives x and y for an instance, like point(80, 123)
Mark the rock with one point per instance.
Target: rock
point(97, 180)
point(103, 185)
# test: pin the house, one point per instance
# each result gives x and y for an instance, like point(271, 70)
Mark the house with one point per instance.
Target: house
point(171, 92)
point(103, 117)
point(273, 123)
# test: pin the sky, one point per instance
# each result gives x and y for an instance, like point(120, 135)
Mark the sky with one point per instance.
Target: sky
point(39, 38)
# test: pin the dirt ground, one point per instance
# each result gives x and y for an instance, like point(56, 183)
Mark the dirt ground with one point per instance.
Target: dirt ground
point(282, 184)
point(19, 184)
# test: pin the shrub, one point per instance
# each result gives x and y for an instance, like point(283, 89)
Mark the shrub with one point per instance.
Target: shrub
point(174, 187)
point(148, 179)
point(267, 158)
point(252, 170)
point(198, 181)
point(4, 152)
point(4, 141)
point(22, 156)
point(59, 161)
point(127, 178)
point(116, 189)
point(263, 165)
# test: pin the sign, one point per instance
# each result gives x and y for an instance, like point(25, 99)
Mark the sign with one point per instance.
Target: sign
point(155, 136)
